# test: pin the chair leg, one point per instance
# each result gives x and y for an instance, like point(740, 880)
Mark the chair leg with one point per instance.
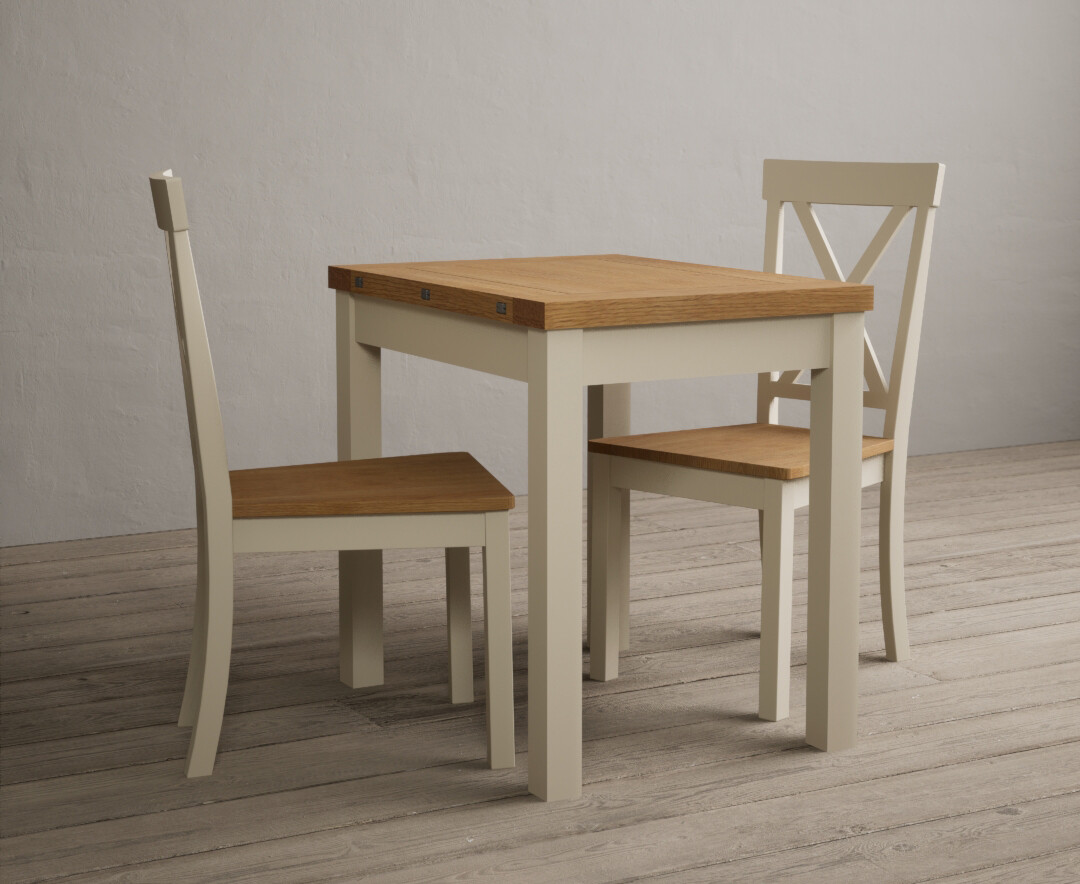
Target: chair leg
point(761, 536)
point(214, 637)
point(609, 568)
point(891, 559)
point(619, 558)
point(777, 526)
point(498, 642)
point(459, 624)
point(197, 661)
point(360, 617)
point(608, 414)
point(589, 548)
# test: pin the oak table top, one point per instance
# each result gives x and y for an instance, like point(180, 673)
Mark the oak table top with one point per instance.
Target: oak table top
point(592, 291)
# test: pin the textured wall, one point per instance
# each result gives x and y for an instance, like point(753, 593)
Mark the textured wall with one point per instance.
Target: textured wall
point(313, 133)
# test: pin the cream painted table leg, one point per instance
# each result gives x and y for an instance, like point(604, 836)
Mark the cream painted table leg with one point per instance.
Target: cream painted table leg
point(555, 430)
point(832, 652)
point(360, 589)
point(609, 415)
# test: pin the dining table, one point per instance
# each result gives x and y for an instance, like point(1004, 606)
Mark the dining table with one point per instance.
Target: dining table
point(567, 324)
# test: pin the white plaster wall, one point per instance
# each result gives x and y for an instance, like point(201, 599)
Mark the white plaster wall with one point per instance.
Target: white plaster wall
point(320, 132)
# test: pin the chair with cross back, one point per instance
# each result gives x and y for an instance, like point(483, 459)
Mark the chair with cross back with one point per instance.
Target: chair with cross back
point(766, 465)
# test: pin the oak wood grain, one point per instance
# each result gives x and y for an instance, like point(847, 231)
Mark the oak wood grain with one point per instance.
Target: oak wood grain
point(768, 451)
point(591, 291)
point(420, 483)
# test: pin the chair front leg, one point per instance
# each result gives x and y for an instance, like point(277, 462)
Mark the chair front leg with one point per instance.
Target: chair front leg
point(215, 638)
point(498, 642)
point(609, 569)
point(459, 624)
point(777, 526)
point(891, 559)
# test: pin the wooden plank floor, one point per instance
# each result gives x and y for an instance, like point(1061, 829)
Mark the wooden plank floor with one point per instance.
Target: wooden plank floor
point(967, 769)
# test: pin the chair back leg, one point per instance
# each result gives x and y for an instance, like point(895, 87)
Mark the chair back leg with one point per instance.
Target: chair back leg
point(193, 686)
point(609, 571)
point(498, 641)
point(459, 624)
point(360, 617)
point(891, 558)
point(209, 677)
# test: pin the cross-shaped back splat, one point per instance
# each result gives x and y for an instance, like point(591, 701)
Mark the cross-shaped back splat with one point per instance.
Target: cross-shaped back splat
point(902, 188)
point(877, 390)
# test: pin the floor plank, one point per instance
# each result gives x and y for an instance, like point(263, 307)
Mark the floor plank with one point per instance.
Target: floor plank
point(924, 851)
point(726, 808)
point(1059, 867)
point(965, 770)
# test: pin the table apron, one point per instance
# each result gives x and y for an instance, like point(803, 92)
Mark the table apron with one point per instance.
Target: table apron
point(467, 341)
point(610, 355)
point(705, 349)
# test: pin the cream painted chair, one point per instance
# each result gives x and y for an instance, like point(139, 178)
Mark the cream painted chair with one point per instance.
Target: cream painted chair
point(764, 465)
point(446, 500)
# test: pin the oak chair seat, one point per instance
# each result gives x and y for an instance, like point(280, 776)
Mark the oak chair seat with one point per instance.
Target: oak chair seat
point(452, 482)
point(766, 451)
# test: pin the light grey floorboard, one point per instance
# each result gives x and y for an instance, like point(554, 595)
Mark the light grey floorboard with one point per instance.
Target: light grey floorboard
point(965, 770)
point(1059, 867)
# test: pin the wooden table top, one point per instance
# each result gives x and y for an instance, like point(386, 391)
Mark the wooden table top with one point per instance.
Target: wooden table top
point(591, 291)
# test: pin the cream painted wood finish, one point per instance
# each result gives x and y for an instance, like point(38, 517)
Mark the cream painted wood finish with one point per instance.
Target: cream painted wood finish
point(714, 330)
point(717, 474)
point(360, 537)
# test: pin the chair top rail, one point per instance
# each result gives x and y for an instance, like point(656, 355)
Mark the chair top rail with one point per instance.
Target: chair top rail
point(169, 205)
point(854, 184)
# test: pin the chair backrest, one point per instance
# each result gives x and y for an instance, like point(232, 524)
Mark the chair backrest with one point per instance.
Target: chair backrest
point(212, 492)
point(905, 187)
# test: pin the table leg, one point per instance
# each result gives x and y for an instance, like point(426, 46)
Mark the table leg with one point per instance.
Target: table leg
point(360, 590)
point(832, 652)
point(555, 429)
point(608, 415)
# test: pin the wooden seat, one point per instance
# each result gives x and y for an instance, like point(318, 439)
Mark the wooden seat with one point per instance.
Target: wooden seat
point(453, 482)
point(768, 451)
point(357, 507)
point(764, 465)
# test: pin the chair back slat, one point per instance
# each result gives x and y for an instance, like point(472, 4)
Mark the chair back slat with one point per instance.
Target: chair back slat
point(902, 186)
point(881, 241)
point(830, 267)
point(212, 492)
